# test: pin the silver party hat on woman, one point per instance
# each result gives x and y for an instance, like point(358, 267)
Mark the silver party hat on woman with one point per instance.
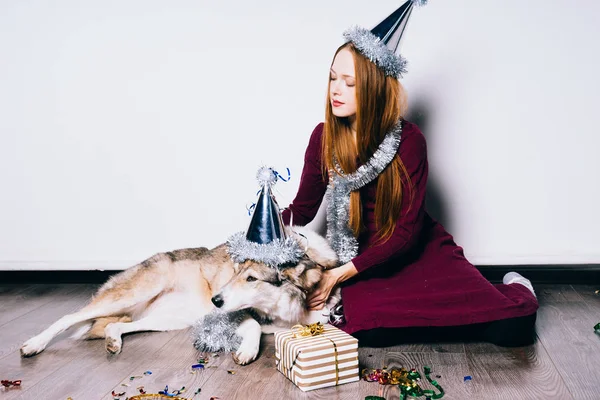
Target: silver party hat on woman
point(265, 240)
point(381, 43)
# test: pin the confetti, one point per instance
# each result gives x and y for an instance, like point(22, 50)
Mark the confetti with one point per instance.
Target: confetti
point(468, 378)
point(596, 329)
point(6, 383)
point(136, 376)
point(175, 392)
point(407, 381)
point(199, 366)
point(148, 373)
point(197, 391)
point(231, 372)
point(125, 384)
point(117, 394)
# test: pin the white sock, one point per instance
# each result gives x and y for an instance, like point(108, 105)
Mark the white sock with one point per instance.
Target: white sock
point(515, 277)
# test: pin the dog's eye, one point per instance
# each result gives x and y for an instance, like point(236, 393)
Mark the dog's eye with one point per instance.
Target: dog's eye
point(250, 279)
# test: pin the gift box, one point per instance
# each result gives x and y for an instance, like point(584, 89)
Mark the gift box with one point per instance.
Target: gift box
point(328, 358)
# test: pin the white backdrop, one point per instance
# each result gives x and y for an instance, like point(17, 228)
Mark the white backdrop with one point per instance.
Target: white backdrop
point(133, 127)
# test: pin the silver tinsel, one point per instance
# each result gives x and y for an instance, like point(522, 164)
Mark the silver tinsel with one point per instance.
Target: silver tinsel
point(275, 253)
point(339, 234)
point(216, 332)
point(375, 50)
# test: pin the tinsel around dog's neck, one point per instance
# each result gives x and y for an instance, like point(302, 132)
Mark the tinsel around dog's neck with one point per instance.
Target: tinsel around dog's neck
point(339, 234)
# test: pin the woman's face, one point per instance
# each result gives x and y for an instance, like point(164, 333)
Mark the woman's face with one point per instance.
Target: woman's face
point(342, 85)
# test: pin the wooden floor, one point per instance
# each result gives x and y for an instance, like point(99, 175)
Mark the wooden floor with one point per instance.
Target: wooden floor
point(564, 363)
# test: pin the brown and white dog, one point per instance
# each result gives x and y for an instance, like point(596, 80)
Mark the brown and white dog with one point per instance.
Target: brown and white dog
point(173, 290)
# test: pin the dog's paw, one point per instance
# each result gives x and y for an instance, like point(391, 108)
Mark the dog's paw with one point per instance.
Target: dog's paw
point(113, 344)
point(32, 347)
point(245, 355)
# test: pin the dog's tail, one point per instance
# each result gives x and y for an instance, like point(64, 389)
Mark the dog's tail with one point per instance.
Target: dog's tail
point(95, 329)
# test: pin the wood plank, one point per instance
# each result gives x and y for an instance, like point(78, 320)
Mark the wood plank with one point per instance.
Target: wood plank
point(450, 367)
point(92, 372)
point(8, 289)
point(588, 295)
point(566, 331)
point(58, 302)
point(171, 365)
point(556, 293)
point(15, 304)
point(34, 369)
point(514, 373)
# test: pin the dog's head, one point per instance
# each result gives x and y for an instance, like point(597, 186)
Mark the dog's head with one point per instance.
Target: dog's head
point(278, 292)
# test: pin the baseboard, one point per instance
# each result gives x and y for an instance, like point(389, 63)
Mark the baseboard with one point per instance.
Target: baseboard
point(563, 274)
point(569, 274)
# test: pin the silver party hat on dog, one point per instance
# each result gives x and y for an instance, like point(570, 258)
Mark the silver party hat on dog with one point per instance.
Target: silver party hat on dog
point(265, 240)
point(380, 44)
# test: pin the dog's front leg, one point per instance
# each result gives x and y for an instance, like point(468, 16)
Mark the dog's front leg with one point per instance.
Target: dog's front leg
point(152, 322)
point(250, 332)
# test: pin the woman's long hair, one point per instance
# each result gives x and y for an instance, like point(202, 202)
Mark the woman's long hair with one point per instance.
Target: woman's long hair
point(381, 102)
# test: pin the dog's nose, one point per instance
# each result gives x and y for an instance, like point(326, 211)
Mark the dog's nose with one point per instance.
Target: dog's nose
point(217, 300)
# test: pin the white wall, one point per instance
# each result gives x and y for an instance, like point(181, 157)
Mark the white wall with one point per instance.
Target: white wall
point(133, 127)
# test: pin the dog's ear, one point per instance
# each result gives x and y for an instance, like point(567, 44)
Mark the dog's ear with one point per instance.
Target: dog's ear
point(304, 275)
point(317, 247)
point(236, 267)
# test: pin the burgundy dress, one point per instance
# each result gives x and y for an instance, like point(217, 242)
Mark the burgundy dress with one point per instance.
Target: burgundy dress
point(420, 276)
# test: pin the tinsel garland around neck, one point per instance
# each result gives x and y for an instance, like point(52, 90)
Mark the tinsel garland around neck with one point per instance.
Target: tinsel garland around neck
point(339, 234)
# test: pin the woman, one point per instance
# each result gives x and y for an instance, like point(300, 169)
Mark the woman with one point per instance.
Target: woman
point(402, 276)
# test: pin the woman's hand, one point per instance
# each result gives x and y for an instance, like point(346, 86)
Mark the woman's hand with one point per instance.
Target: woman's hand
point(329, 280)
point(317, 298)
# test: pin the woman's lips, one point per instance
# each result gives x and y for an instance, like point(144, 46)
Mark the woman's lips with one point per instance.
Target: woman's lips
point(336, 103)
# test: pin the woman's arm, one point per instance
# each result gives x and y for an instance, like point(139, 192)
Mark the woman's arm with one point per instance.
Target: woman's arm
point(312, 184)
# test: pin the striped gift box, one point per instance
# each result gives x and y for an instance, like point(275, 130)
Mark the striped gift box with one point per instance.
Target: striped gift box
point(314, 362)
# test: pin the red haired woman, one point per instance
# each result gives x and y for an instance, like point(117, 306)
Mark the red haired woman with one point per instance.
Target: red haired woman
point(402, 275)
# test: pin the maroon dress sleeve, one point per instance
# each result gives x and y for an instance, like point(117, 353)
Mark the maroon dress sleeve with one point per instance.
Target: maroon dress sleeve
point(312, 187)
point(413, 153)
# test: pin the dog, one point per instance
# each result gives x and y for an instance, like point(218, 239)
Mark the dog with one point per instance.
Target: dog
point(173, 290)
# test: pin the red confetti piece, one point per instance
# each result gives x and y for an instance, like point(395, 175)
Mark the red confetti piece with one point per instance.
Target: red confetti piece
point(7, 383)
point(117, 394)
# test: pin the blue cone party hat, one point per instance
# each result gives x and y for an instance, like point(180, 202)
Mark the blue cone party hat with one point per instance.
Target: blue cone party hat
point(265, 240)
point(380, 44)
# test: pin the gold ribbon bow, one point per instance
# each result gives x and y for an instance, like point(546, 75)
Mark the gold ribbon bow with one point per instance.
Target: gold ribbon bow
point(308, 330)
